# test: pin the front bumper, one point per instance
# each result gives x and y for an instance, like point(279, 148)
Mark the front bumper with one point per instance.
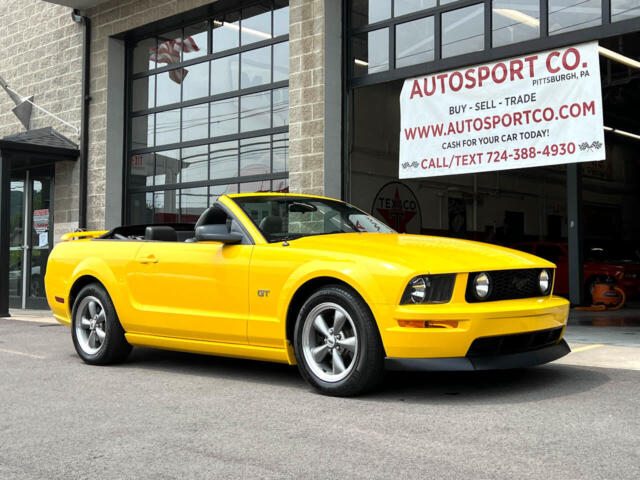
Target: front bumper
point(475, 320)
point(486, 362)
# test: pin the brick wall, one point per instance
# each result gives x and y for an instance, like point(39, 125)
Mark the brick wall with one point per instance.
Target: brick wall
point(306, 94)
point(40, 55)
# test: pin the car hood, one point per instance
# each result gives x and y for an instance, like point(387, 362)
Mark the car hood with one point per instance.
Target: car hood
point(428, 254)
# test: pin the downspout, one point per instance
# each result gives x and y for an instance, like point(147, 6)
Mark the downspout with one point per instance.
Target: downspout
point(84, 114)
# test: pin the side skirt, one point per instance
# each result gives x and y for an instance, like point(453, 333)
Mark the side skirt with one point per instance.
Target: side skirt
point(209, 348)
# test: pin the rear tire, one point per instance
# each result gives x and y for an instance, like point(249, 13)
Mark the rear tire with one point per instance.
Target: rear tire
point(97, 334)
point(337, 343)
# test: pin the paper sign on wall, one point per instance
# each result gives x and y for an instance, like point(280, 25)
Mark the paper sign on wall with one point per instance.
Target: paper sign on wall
point(530, 111)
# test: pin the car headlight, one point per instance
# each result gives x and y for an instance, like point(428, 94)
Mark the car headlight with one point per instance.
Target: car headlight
point(544, 280)
point(481, 286)
point(429, 289)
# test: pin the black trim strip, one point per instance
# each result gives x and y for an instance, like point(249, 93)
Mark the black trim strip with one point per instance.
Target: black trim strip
point(494, 362)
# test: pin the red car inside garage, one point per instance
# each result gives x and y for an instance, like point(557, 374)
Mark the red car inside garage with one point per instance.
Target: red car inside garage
point(598, 263)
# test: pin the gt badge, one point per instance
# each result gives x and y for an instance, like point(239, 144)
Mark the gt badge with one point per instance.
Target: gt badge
point(263, 293)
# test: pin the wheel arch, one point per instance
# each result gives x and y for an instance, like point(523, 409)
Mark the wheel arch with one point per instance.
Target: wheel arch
point(79, 284)
point(306, 289)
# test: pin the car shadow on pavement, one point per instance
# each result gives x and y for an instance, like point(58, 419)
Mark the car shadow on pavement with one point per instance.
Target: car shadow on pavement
point(483, 387)
point(501, 386)
point(214, 367)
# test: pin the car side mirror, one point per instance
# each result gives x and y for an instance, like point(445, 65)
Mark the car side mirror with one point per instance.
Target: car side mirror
point(216, 233)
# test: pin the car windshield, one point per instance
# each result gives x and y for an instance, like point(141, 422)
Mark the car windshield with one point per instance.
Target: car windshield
point(287, 218)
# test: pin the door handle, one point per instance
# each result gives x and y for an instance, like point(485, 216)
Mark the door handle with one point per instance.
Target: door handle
point(148, 259)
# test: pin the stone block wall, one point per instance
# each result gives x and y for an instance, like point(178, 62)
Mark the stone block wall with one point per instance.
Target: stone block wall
point(307, 96)
point(41, 55)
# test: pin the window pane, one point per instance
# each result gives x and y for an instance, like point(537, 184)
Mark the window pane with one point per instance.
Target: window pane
point(281, 21)
point(143, 93)
point(165, 206)
point(371, 52)
point(255, 24)
point(141, 208)
point(169, 87)
point(414, 42)
point(400, 7)
point(256, 67)
point(194, 166)
point(251, 187)
point(193, 201)
point(168, 127)
point(224, 74)
point(195, 40)
point(568, 15)
point(463, 31)
point(141, 170)
point(369, 11)
point(196, 82)
point(624, 9)
point(224, 160)
point(281, 185)
point(195, 122)
point(142, 131)
point(515, 21)
point(167, 167)
point(169, 49)
point(281, 61)
point(226, 33)
point(281, 107)
point(255, 111)
point(142, 55)
point(224, 117)
point(255, 156)
point(280, 149)
point(216, 190)
point(378, 45)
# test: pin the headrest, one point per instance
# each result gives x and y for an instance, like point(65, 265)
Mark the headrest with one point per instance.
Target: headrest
point(271, 224)
point(212, 216)
point(162, 233)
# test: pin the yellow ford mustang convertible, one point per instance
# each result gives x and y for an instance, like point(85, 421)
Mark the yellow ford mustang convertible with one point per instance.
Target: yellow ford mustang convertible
point(309, 281)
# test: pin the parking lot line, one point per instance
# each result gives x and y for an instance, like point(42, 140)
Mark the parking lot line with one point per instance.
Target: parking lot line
point(31, 319)
point(39, 357)
point(586, 347)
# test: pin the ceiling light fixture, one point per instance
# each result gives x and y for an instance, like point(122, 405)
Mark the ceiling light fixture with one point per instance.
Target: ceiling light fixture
point(521, 17)
point(622, 132)
point(233, 26)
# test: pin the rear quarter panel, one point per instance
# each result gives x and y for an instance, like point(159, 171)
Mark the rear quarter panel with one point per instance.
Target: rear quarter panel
point(105, 260)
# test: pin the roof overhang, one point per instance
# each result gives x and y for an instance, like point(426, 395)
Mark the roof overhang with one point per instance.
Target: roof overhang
point(79, 4)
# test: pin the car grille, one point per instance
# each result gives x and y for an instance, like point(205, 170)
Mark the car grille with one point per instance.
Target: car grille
point(508, 285)
point(514, 343)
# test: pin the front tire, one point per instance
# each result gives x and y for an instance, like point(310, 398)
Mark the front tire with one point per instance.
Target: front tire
point(97, 334)
point(337, 343)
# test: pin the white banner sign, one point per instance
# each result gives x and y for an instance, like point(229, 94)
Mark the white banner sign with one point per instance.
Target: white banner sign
point(530, 111)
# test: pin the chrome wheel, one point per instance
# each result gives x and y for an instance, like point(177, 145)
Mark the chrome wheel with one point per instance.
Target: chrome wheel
point(90, 325)
point(329, 342)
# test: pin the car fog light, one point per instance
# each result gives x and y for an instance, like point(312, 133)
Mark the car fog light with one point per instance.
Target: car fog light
point(418, 288)
point(482, 286)
point(544, 279)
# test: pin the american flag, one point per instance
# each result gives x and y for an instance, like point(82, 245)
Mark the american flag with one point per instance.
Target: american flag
point(169, 52)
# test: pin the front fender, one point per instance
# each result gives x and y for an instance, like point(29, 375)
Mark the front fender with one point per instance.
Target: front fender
point(353, 274)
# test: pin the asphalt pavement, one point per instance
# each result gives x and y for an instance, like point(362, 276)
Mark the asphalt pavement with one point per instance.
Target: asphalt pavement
point(166, 415)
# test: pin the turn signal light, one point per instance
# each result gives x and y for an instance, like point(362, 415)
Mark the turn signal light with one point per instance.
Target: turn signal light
point(428, 323)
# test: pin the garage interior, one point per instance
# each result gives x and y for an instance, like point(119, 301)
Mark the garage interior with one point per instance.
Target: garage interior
point(524, 208)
